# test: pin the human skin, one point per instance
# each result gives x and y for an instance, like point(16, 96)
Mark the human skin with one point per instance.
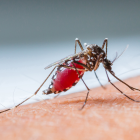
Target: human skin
point(108, 115)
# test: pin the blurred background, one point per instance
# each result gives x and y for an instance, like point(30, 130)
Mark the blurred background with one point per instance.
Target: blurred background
point(34, 34)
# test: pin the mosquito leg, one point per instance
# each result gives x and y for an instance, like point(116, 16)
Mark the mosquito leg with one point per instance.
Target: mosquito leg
point(32, 95)
point(85, 85)
point(99, 80)
point(132, 88)
point(83, 65)
point(120, 90)
point(97, 63)
point(105, 42)
point(77, 40)
point(89, 70)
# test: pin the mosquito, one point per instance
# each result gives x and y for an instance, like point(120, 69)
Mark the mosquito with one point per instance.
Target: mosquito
point(72, 68)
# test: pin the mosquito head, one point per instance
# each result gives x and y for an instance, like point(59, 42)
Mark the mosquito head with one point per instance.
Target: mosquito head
point(108, 65)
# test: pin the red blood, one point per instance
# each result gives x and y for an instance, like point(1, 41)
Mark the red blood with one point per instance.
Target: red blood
point(67, 77)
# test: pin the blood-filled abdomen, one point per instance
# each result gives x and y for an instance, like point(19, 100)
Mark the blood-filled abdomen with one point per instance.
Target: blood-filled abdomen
point(66, 78)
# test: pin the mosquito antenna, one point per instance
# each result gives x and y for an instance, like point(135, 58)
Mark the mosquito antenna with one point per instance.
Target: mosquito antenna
point(99, 80)
point(120, 54)
point(115, 57)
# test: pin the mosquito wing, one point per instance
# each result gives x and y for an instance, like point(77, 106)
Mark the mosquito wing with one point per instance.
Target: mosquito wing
point(63, 60)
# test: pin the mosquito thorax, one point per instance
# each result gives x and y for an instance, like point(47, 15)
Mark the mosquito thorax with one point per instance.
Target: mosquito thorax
point(96, 50)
